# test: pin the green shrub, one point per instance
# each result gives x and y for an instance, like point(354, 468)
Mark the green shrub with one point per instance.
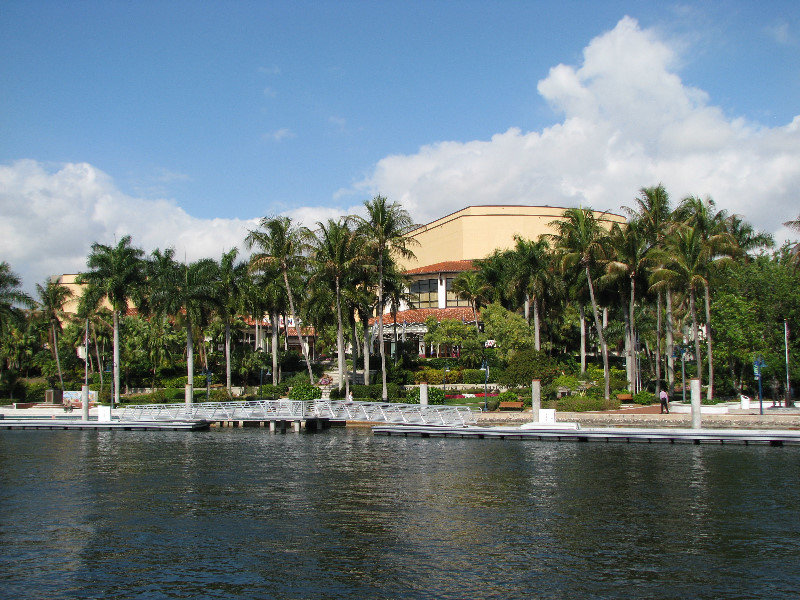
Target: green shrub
point(492, 403)
point(305, 391)
point(473, 376)
point(586, 403)
point(435, 396)
point(526, 365)
point(34, 391)
point(644, 397)
point(508, 396)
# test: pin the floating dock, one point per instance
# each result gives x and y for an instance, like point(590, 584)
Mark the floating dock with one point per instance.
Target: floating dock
point(774, 437)
point(77, 424)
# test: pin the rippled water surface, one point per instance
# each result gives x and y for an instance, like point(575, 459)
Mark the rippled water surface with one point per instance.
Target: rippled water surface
point(244, 513)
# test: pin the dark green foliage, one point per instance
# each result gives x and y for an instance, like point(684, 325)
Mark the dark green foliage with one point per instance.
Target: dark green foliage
point(586, 403)
point(644, 397)
point(527, 365)
point(473, 376)
point(304, 391)
point(374, 392)
point(508, 396)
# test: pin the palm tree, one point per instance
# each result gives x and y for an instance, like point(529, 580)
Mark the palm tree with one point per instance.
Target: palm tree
point(531, 274)
point(386, 230)
point(795, 251)
point(281, 244)
point(52, 298)
point(581, 241)
point(655, 216)
point(11, 298)
point(115, 274)
point(188, 294)
point(472, 287)
point(713, 228)
point(230, 293)
point(337, 253)
point(630, 248)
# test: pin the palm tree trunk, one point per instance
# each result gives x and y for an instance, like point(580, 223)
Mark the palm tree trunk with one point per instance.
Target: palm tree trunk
point(710, 393)
point(583, 338)
point(275, 327)
point(527, 309)
point(115, 398)
point(297, 326)
point(536, 325)
point(228, 382)
point(628, 347)
point(97, 353)
point(340, 339)
point(634, 366)
point(384, 391)
point(658, 344)
point(367, 348)
point(189, 397)
point(698, 358)
point(669, 327)
point(601, 338)
point(55, 351)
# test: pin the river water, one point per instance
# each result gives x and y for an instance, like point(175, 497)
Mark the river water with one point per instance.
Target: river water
point(242, 513)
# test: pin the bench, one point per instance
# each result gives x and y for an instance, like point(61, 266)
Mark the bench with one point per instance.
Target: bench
point(625, 397)
point(511, 404)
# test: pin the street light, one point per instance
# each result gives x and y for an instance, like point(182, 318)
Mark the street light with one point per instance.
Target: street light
point(758, 365)
point(444, 378)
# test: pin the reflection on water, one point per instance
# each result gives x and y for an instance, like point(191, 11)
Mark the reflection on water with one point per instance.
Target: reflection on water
point(248, 514)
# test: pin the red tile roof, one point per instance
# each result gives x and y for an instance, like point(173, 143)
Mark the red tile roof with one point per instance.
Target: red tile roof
point(419, 315)
point(449, 266)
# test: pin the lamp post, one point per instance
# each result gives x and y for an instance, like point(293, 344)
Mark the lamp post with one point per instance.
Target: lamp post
point(758, 365)
point(444, 378)
point(485, 367)
point(788, 402)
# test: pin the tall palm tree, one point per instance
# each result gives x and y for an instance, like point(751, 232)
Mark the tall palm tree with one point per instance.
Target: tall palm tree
point(52, 298)
point(188, 294)
point(281, 244)
point(472, 287)
point(531, 274)
point(627, 265)
point(713, 228)
point(654, 213)
point(337, 253)
point(582, 241)
point(230, 293)
point(116, 274)
point(386, 230)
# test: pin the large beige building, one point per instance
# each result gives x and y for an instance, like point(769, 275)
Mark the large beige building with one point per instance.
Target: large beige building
point(477, 231)
point(447, 247)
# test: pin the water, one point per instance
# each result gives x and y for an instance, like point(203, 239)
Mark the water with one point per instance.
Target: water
point(246, 514)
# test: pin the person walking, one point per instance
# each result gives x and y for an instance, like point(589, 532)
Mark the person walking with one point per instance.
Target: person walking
point(664, 396)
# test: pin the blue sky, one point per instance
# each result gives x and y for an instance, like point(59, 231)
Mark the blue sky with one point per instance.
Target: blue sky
point(155, 118)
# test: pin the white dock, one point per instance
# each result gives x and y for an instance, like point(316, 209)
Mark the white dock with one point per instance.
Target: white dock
point(773, 437)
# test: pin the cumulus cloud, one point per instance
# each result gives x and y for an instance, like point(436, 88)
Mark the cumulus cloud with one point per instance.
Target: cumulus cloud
point(51, 217)
point(628, 122)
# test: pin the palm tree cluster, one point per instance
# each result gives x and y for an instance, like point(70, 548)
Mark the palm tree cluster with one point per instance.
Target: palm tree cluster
point(328, 278)
point(648, 284)
point(648, 273)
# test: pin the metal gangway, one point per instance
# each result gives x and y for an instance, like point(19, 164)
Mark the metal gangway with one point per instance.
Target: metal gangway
point(297, 410)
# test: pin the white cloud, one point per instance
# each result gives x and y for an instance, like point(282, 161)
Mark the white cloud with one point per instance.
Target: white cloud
point(51, 218)
point(628, 122)
point(280, 134)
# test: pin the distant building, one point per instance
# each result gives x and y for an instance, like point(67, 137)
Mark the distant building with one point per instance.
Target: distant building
point(448, 246)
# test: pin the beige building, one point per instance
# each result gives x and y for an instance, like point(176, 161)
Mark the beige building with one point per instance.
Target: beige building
point(477, 231)
point(447, 247)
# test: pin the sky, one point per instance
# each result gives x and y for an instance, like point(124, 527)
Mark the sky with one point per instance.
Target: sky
point(182, 123)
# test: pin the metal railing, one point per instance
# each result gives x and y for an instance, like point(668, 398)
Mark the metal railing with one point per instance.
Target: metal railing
point(337, 410)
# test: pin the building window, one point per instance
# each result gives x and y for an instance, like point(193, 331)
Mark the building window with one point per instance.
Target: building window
point(425, 293)
point(452, 297)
